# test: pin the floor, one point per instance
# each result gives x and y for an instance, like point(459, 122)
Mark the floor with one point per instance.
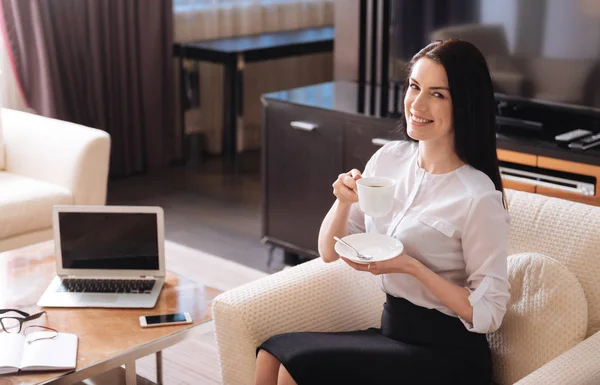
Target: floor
point(206, 209)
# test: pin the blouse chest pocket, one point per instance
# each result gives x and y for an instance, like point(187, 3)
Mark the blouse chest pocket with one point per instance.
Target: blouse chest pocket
point(436, 223)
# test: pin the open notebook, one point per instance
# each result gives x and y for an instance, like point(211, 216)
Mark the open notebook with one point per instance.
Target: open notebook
point(17, 355)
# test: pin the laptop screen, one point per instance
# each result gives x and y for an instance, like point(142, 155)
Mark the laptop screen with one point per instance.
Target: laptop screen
point(109, 241)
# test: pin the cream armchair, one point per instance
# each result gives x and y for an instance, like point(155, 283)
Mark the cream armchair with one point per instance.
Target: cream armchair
point(549, 335)
point(46, 162)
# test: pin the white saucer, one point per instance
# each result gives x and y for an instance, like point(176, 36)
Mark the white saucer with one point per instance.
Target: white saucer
point(379, 246)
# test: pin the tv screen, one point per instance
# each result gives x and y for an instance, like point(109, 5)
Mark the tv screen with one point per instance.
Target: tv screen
point(537, 50)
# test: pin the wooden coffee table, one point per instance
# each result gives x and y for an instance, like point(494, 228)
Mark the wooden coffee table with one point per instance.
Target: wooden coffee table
point(108, 338)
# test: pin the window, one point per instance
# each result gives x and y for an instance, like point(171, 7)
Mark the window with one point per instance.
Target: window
point(186, 5)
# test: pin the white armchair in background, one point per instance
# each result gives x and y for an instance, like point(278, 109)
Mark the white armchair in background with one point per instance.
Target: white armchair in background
point(46, 162)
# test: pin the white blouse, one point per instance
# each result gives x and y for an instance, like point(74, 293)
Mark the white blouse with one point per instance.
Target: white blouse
point(453, 223)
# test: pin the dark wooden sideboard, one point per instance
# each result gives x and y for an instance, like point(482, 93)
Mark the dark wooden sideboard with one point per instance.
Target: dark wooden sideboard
point(310, 136)
point(314, 133)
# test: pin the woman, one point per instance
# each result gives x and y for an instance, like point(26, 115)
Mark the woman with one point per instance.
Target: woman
point(449, 287)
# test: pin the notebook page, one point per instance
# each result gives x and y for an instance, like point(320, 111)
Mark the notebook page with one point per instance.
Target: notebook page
point(11, 349)
point(57, 353)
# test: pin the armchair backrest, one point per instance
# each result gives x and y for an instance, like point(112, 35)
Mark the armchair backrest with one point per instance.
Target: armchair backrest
point(567, 231)
point(490, 39)
point(65, 154)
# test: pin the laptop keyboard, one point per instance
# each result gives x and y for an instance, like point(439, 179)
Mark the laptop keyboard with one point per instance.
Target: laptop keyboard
point(131, 286)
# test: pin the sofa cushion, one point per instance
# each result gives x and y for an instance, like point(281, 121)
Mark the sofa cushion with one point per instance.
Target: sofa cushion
point(546, 316)
point(26, 204)
point(565, 230)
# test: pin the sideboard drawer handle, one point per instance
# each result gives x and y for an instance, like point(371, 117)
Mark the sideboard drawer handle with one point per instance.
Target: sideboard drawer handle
point(379, 141)
point(304, 126)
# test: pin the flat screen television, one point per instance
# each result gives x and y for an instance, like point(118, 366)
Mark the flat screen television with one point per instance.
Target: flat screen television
point(543, 55)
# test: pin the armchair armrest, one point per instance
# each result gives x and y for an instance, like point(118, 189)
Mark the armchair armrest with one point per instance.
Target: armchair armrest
point(579, 365)
point(63, 153)
point(314, 296)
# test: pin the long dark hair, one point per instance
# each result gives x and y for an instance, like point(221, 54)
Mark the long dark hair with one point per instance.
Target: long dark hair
point(473, 103)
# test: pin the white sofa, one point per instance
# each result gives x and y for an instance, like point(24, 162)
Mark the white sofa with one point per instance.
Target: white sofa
point(550, 333)
point(44, 162)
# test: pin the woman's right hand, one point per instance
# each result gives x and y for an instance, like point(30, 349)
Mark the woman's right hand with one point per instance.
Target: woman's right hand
point(344, 188)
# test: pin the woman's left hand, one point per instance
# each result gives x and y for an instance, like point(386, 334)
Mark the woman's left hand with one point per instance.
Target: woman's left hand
point(403, 263)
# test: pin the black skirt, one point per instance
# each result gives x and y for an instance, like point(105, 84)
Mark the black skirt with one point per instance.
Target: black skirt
point(414, 345)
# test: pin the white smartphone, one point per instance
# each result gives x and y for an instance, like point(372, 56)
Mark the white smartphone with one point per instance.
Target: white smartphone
point(147, 321)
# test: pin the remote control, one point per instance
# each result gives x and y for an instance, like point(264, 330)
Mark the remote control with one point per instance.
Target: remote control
point(572, 135)
point(587, 142)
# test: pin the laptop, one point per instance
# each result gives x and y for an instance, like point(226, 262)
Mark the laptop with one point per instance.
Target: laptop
point(107, 256)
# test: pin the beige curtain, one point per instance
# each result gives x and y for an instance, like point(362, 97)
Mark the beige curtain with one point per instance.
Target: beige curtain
point(201, 19)
point(104, 64)
point(10, 93)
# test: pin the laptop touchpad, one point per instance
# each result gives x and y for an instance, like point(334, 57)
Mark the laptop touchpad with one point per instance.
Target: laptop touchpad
point(95, 298)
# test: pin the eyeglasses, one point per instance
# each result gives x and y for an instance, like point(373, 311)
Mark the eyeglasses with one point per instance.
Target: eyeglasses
point(13, 324)
point(52, 334)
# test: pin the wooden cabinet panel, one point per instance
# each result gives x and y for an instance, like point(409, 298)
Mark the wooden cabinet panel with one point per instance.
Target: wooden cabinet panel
point(517, 157)
point(552, 164)
point(590, 200)
point(568, 166)
point(363, 139)
point(575, 168)
point(511, 184)
point(301, 164)
point(304, 151)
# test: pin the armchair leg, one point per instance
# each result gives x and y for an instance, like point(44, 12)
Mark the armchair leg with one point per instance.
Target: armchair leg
point(271, 256)
point(293, 259)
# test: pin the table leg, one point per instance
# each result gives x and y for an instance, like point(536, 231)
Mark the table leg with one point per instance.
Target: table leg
point(240, 100)
point(230, 101)
point(182, 105)
point(159, 368)
point(130, 375)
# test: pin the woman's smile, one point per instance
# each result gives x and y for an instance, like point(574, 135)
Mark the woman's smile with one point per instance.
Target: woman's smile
point(419, 121)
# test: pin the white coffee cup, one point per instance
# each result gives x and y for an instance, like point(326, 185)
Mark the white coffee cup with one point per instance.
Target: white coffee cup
point(376, 195)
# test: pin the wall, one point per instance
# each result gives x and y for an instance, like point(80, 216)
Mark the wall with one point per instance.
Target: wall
point(548, 28)
point(501, 12)
point(571, 31)
point(345, 55)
